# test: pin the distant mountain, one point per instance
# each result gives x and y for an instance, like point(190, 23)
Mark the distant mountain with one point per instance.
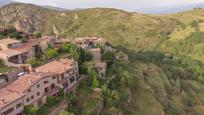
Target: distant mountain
point(168, 10)
point(53, 8)
point(5, 2)
point(163, 59)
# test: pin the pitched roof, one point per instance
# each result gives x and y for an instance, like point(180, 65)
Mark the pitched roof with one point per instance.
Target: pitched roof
point(25, 47)
point(45, 39)
point(23, 83)
point(95, 50)
point(8, 97)
point(42, 74)
point(8, 41)
point(62, 40)
point(57, 66)
point(10, 52)
point(99, 64)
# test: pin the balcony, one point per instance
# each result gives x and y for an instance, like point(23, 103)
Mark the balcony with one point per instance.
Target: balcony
point(52, 92)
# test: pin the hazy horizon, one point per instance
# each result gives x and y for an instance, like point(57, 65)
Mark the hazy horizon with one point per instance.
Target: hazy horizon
point(145, 6)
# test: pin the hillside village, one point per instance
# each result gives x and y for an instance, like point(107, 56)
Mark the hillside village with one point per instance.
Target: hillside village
point(154, 63)
point(26, 85)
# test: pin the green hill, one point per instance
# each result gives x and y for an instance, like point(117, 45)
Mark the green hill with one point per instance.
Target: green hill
point(165, 51)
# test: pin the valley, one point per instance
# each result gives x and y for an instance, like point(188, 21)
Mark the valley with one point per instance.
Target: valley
point(165, 56)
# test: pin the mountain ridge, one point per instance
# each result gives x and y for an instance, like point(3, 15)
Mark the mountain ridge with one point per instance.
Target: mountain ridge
point(165, 52)
point(5, 2)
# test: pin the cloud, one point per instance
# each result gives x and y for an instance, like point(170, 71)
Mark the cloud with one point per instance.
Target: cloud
point(130, 5)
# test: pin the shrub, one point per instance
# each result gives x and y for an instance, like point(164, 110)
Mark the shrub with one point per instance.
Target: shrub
point(37, 34)
point(30, 110)
point(72, 49)
point(194, 24)
point(33, 61)
point(50, 101)
point(24, 40)
point(72, 103)
point(95, 82)
point(50, 53)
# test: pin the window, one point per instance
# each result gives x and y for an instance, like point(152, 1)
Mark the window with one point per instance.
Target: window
point(45, 82)
point(32, 97)
point(8, 111)
point(62, 77)
point(54, 77)
point(28, 99)
point(38, 93)
point(18, 105)
point(38, 85)
point(29, 90)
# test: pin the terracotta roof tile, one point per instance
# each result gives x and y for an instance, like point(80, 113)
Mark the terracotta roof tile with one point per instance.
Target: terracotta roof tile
point(95, 50)
point(23, 83)
point(62, 41)
point(10, 52)
point(25, 47)
point(99, 64)
point(8, 97)
point(9, 41)
point(58, 66)
point(42, 74)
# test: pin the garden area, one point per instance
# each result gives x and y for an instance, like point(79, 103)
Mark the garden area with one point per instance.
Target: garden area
point(4, 68)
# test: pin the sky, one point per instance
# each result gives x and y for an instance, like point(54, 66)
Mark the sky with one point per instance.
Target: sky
point(129, 5)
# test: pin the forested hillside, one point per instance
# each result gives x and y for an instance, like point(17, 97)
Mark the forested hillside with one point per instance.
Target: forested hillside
point(166, 54)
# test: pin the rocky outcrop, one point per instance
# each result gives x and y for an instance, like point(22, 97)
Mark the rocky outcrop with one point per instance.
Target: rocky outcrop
point(24, 17)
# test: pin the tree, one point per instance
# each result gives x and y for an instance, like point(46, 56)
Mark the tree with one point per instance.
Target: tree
point(194, 24)
point(23, 40)
point(126, 78)
point(72, 49)
point(37, 34)
point(95, 82)
point(92, 75)
point(72, 103)
point(111, 97)
point(108, 55)
point(50, 101)
point(33, 61)
point(85, 55)
point(30, 110)
point(50, 53)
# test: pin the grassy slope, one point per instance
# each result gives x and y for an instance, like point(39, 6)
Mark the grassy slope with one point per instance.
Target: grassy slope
point(156, 89)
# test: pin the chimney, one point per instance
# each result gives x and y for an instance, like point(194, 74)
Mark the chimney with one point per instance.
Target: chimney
point(3, 101)
point(30, 81)
point(40, 74)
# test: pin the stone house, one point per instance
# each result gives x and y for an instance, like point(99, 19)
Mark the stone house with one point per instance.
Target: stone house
point(67, 70)
point(30, 89)
point(87, 42)
point(16, 52)
point(101, 68)
point(9, 44)
point(11, 103)
point(45, 41)
point(96, 52)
